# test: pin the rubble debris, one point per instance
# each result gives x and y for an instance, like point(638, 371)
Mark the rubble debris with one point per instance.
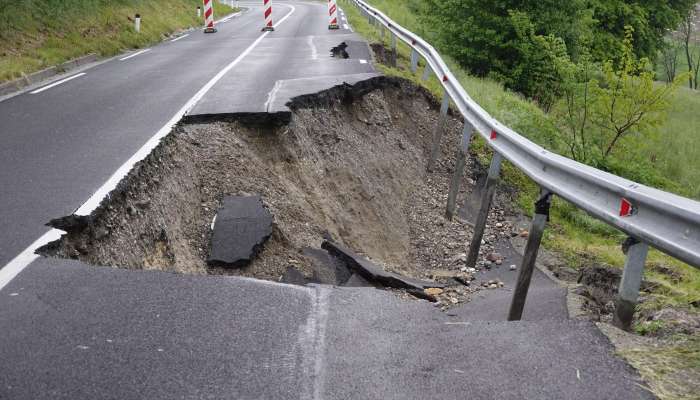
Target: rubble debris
point(372, 272)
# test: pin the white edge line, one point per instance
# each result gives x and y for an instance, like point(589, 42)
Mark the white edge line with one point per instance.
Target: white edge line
point(346, 27)
point(135, 54)
point(228, 17)
point(363, 61)
point(27, 256)
point(180, 37)
point(57, 83)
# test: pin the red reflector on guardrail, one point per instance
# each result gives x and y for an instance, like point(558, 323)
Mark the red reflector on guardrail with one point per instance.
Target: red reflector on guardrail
point(627, 209)
point(494, 134)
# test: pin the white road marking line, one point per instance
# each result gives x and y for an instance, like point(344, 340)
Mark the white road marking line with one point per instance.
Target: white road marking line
point(345, 26)
point(314, 51)
point(363, 61)
point(57, 83)
point(180, 37)
point(135, 54)
point(228, 17)
point(271, 96)
point(27, 256)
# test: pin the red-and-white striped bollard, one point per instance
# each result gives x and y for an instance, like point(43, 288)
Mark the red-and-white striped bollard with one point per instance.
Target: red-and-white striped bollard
point(268, 16)
point(209, 16)
point(333, 15)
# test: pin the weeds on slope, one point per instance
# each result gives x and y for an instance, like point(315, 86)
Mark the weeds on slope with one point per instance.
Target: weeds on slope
point(39, 34)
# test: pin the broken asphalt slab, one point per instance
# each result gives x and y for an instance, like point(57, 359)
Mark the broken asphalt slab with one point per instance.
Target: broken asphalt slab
point(374, 273)
point(242, 226)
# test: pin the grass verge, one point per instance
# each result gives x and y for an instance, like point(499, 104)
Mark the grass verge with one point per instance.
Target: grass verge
point(42, 33)
point(579, 238)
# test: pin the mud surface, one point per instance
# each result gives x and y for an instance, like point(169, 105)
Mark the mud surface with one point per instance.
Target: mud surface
point(350, 165)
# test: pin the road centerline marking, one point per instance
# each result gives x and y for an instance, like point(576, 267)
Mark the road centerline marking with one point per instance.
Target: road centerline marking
point(47, 87)
point(138, 53)
point(10, 270)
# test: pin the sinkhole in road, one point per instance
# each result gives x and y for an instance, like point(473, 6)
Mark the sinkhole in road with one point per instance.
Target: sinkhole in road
point(347, 164)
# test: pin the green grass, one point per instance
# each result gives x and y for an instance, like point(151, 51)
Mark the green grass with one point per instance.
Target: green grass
point(41, 33)
point(668, 367)
point(678, 147)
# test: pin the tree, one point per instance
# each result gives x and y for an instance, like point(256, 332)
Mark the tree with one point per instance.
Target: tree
point(481, 35)
point(669, 59)
point(600, 113)
point(692, 49)
point(650, 19)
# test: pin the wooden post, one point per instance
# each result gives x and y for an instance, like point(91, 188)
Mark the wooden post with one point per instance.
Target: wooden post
point(530, 257)
point(482, 217)
point(462, 153)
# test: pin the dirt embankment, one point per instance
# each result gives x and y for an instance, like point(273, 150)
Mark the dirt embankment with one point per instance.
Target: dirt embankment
point(351, 163)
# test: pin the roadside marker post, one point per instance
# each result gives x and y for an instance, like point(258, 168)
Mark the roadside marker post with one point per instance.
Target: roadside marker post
point(137, 23)
point(268, 16)
point(209, 16)
point(199, 12)
point(333, 15)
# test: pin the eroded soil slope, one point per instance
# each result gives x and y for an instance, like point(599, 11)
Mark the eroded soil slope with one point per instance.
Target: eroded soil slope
point(349, 164)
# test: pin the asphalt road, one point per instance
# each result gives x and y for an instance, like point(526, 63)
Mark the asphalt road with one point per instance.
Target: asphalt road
point(105, 333)
point(60, 145)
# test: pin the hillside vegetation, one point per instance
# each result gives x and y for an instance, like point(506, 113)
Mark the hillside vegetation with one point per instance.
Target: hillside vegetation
point(36, 34)
point(664, 159)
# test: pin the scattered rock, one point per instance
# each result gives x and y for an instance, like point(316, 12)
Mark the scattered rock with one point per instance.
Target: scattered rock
point(433, 291)
point(513, 267)
point(293, 276)
point(493, 257)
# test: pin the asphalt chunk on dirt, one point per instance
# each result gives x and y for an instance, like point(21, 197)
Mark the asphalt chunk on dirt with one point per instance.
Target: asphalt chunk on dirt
point(241, 227)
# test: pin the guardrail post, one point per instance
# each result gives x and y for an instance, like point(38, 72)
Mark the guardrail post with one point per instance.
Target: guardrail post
point(530, 256)
point(427, 71)
point(414, 60)
point(393, 50)
point(437, 137)
point(631, 282)
point(459, 170)
point(481, 218)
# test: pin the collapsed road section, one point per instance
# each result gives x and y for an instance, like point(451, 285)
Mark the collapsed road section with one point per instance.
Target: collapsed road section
point(345, 166)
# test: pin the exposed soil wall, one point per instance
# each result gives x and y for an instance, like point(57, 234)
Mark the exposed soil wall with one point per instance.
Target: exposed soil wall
point(350, 163)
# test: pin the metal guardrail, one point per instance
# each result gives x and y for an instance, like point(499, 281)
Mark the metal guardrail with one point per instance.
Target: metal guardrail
point(653, 217)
